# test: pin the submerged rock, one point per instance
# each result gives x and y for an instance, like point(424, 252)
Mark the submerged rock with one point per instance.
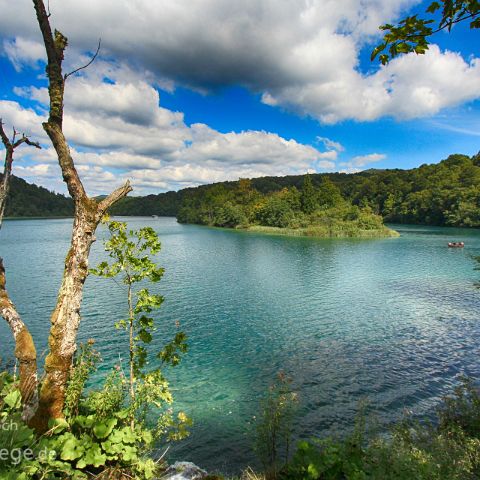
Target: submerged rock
point(184, 471)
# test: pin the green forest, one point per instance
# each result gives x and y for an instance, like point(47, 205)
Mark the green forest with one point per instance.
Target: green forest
point(29, 200)
point(447, 193)
point(313, 211)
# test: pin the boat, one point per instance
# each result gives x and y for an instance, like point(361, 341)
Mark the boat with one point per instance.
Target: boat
point(456, 244)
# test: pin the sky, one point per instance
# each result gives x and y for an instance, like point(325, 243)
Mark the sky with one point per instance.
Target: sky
point(189, 92)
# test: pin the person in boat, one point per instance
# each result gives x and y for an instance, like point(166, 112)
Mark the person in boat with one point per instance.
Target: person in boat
point(456, 244)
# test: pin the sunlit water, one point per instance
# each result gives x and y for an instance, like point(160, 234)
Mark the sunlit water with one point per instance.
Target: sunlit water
point(395, 321)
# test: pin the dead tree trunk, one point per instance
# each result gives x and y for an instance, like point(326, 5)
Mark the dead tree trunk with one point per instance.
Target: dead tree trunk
point(25, 352)
point(65, 318)
point(10, 146)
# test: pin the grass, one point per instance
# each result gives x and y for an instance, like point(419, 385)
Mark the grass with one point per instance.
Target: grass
point(322, 231)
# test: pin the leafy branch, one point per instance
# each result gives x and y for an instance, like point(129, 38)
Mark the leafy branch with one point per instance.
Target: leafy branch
point(412, 34)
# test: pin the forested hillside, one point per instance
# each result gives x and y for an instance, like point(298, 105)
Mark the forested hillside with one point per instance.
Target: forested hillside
point(447, 193)
point(29, 200)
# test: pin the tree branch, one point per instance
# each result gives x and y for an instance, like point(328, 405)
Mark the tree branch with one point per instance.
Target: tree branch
point(26, 140)
point(10, 146)
point(116, 195)
point(88, 64)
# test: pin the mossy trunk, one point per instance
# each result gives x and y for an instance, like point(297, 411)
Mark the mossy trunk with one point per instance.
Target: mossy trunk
point(65, 318)
point(25, 352)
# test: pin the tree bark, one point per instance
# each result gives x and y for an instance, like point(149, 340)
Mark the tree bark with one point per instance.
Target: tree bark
point(65, 318)
point(5, 185)
point(25, 352)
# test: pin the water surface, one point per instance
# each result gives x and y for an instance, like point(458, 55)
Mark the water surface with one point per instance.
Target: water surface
point(394, 320)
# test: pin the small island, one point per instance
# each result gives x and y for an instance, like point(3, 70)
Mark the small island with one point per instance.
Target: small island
point(311, 211)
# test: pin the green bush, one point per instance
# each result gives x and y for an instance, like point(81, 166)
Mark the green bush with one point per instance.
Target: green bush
point(275, 212)
point(448, 449)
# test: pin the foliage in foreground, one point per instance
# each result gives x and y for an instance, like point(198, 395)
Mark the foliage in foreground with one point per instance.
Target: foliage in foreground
point(413, 33)
point(105, 433)
point(275, 426)
point(95, 440)
point(447, 449)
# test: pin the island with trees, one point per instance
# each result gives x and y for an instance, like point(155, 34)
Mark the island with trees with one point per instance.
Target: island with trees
point(441, 194)
point(311, 211)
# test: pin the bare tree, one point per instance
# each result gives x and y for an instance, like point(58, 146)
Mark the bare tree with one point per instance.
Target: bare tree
point(10, 146)
point(25, 352)
point(65, 318)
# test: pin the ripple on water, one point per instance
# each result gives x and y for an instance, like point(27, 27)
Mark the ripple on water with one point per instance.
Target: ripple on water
point(394, 321)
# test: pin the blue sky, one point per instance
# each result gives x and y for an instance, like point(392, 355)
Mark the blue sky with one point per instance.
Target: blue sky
point(206, 90)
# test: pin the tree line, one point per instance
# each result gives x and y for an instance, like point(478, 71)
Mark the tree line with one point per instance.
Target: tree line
point(444, 194)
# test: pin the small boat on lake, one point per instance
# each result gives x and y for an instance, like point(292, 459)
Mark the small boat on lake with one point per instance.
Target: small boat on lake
point(456, 244)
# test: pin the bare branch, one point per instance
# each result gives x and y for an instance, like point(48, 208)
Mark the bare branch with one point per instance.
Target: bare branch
point(88, 64)
point(26, 140)
point(116, 195)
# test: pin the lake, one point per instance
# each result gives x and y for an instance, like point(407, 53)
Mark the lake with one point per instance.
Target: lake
point(392, 320)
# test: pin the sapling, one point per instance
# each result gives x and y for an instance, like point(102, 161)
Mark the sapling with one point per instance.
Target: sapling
point(133, 254)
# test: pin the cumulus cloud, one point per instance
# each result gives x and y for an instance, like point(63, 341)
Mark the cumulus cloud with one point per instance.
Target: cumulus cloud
point(118, 129)
point(362, 160)
point(24, 52)
point(301, 55)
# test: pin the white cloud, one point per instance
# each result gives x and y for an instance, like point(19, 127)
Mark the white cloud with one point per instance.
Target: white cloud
point(359, 162)
point(362, 160)
point(24, 120)
point(23, 52)
point(331, 144)
point(120, 130)
point(301, 55)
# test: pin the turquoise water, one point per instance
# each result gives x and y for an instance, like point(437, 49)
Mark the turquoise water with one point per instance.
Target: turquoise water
point(394, 320)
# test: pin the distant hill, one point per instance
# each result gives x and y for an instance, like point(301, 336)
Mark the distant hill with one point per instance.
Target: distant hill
point(447, 193)
point(29, 200)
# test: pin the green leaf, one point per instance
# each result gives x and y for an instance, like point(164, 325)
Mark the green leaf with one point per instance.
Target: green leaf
point(58, 424)
point(122, 414)
point(103, 429)
point(93, 456)
point(72, 449)
point(433, 7)
point(145, 336)
point(13, 399)
point(85, 422)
